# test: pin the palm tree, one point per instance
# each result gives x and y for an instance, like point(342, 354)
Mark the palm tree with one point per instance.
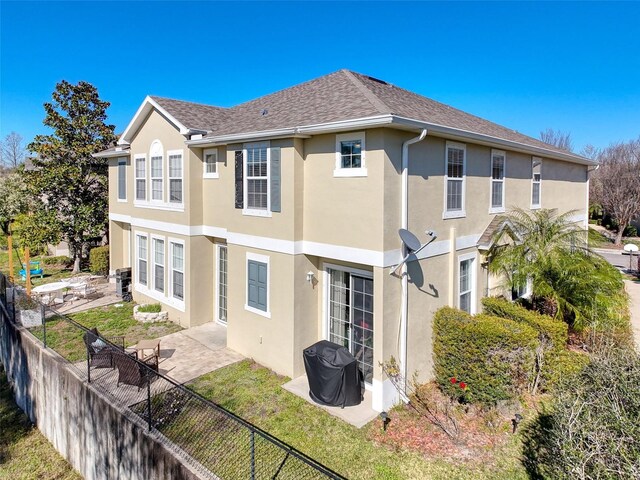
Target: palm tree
point(552, 253)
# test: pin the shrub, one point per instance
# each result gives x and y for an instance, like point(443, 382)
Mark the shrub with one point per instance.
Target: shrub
point(592, 428)
point(630, 231)
point(99, 260)
point(493, 356)
point(150, 308)
point(59, 260)
point(563, 365)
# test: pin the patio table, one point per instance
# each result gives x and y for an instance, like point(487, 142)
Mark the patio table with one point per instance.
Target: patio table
point(51, 290)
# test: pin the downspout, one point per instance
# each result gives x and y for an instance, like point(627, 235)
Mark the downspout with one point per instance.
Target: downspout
point(404, 312)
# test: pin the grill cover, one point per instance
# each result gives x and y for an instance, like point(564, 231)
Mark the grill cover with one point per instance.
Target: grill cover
point(333, 374)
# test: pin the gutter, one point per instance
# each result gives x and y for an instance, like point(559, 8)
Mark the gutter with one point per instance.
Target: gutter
point(404, 310)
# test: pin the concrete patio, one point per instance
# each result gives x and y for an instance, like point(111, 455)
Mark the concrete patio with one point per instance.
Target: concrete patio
point(358, 415)
point(190, 353)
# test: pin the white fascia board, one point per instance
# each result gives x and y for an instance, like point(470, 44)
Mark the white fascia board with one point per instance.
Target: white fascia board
point(479, 138)
point(242, 137)
point(344, 125)
point(147, 105)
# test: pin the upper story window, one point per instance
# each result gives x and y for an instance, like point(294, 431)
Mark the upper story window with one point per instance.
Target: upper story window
point(536, 182)
point(257, 178)
point(141, 176)
point(122, 179)
point(498, 160)
point(350, 155)
point(156, 155)
point(175, 176)
point(455, 171)
point(210, 158)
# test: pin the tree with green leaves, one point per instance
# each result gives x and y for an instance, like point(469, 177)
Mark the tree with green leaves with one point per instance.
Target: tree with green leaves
point(14, 200)
point(568, 280)
point(67, 182)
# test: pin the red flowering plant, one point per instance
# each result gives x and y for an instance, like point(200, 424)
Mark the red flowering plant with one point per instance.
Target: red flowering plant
point(459, 389)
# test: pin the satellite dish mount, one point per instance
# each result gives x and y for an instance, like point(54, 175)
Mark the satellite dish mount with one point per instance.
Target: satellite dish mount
point(412, 245)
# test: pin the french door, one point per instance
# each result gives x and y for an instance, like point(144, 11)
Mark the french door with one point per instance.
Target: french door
point(351, 316)
point(222, 267)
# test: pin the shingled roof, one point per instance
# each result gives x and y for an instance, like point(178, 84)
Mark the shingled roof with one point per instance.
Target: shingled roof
point(339, 96)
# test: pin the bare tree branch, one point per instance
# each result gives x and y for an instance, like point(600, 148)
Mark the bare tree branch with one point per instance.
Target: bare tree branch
point(557, 138)
point(12, 150)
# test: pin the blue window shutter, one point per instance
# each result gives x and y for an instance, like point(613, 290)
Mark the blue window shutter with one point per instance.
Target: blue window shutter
point(275, 179)
point(239, 179)
point(257, 285)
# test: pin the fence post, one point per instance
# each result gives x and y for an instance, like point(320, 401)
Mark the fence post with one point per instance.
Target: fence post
point(13, 303)
point(43, 312)
point(88, 366)
point(253, 455)
point(149, 403)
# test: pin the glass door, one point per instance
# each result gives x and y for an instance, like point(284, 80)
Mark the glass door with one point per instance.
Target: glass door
point(351, 316)
point(221, 314)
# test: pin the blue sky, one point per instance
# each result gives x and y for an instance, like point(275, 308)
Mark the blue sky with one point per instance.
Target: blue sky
point(528, 66)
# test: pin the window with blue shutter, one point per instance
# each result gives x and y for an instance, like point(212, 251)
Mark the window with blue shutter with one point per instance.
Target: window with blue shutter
point(257, 285)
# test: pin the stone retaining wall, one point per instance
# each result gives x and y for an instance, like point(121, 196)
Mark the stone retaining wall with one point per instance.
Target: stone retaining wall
point(98, 438)
point(149, 317)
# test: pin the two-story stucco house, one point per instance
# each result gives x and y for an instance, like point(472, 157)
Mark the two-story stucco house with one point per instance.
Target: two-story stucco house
point(279, 217)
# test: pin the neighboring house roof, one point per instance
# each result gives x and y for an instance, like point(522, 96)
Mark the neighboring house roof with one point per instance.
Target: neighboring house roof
point(338, 97)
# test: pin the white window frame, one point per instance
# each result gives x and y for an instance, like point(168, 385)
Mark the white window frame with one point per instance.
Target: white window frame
point(220, 246)
point(122, 162)
point(153, 153)
point(169, 177)
point(140, 235)
point(256, 212)
point(262, 259)
point(339, 171)
point(153, 264)
point(205, 153)
point(462, 212)
point(473, 281)
point(492, 181)
point(142, 157)
point(171, 243)
point(535, 206)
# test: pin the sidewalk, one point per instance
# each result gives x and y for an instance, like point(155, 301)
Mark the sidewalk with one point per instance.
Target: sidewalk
point(633, 289)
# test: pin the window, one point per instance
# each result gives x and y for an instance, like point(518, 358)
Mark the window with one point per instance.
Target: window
point(141, 177)
point(258, 284)
point(222, 283)
point(351, 315)
point(177, 270)
point(158, 264)
point(122, 179)
point(257, 177)
point(175, 177)
point(211, 163)
point(498, 159)
point(454, 180)
point(350, 153)
point(536, 178)
point(466, 283)
point(142, 259)
point(156, 178)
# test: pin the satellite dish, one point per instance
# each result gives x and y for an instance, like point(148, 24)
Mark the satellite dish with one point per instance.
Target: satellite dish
point(410, 240)
point(413, 245)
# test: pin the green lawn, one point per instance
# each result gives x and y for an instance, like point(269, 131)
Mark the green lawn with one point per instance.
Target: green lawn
point(254, 393)
point(24, 452)
point(66, 339)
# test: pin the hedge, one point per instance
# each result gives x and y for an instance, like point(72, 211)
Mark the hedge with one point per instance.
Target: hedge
point(99, 260)
point(59, 260)
point(553, 335)
point(494, 357)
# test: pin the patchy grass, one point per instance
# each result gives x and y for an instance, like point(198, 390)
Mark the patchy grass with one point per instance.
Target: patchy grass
point(599, 240)
point(24, 452)
point(365, 453)
point(110, 321)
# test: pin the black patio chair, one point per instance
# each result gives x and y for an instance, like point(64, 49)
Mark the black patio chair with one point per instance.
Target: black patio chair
point(101, 351)
point(130, 371)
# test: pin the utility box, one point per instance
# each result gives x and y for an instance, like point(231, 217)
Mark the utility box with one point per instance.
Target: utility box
point(123, 280)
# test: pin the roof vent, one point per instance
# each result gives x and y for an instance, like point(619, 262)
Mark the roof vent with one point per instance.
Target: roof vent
point(378, 80)
point(264, 112)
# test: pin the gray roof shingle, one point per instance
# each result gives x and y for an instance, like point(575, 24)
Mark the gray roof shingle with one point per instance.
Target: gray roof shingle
point(342, 95)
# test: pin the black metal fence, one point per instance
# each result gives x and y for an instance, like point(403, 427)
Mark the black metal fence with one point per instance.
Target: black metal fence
point(211, 439)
